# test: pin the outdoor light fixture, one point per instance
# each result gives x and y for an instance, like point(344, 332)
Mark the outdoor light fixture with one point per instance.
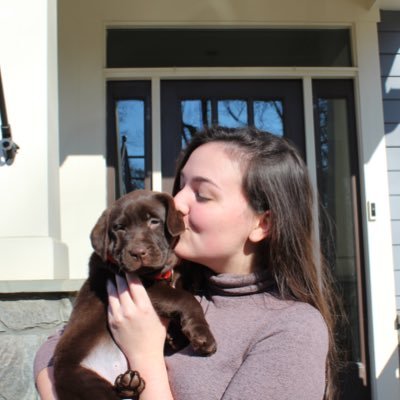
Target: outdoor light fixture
point(8, 149)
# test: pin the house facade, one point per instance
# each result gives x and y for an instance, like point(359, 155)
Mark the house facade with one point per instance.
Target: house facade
point(102, 95)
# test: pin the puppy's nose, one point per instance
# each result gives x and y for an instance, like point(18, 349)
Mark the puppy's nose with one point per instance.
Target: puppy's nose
point(138, 254)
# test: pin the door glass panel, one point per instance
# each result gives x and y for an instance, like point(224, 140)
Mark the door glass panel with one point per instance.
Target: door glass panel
point(268, 116)
point(195, 115)
point(130, 117)
point(337, 196)
point(232, 113)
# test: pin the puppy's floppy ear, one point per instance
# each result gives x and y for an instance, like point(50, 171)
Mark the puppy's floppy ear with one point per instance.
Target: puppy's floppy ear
point(174, 220)
point(99, 235)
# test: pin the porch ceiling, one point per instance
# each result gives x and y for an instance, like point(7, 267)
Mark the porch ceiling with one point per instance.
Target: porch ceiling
point(385, 4)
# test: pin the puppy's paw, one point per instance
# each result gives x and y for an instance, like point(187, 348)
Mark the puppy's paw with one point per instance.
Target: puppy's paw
point(129, 385)
point(203, 341)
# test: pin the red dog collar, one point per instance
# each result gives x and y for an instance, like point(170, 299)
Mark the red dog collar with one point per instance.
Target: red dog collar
point(165, 276)
point(111, 259)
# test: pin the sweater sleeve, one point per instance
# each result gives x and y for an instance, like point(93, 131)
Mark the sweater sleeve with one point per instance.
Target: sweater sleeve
point(44, 356)
point(288, 364)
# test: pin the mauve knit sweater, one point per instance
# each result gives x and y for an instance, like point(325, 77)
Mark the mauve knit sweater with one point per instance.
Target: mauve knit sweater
point(268, 348)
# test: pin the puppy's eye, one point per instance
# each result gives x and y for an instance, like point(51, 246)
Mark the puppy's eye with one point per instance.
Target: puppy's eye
point(154, 222)
point(118, 227)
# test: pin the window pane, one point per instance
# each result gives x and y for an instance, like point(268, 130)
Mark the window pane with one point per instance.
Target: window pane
point(137, 169)
point(232, 113)
point(131, 125)
point(268, 116)
point(141, 48)
point(335, 186)
point(195, 114)
point(131, 139)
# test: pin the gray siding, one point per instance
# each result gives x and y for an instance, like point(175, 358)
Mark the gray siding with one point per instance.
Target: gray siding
point(389, 46)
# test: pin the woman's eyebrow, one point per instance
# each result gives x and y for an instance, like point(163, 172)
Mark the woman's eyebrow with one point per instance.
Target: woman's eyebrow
point(200, 179)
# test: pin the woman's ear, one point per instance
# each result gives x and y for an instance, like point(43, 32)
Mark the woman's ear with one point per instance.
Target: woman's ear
point(262, 228)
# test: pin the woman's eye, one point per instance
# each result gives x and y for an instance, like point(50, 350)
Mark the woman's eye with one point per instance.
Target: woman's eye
point(201, 197)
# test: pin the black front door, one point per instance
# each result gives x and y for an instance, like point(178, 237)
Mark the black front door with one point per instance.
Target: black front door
point(272, 105)
point(188, 105)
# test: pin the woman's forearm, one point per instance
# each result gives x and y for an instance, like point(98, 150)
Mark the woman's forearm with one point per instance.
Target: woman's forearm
point(45, 384)
point(140, 334)
point(154, 373)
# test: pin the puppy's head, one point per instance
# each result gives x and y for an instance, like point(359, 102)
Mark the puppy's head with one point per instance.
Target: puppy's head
point(138, 232)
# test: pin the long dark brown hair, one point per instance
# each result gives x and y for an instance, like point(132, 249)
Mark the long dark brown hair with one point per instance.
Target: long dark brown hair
point(275, 178)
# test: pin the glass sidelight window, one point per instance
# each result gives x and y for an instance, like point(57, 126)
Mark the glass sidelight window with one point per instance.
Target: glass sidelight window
point(335, 185)
point(337, 168)
point(130, 118)
point(129, 138)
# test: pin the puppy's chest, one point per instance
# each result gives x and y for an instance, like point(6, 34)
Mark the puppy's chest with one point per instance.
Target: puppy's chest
point(106, 359)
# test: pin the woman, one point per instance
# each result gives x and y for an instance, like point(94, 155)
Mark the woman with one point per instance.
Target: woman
point(247, 204)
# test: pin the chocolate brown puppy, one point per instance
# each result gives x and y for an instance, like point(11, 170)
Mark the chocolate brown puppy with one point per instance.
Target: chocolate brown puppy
point(136, 233)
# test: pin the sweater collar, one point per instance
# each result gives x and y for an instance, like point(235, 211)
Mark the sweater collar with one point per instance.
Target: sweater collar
point(238, 285)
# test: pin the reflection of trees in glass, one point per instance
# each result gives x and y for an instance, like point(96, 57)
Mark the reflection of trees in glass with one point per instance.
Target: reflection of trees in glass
point(336, 216)
point(130, 124)
point(187, 133)
point(328, 228)
point(195, 115)
point(122, 109)
point(324, 148)
point(125, 170)
point(277, 105)
point(232, 113)
point(266, 115)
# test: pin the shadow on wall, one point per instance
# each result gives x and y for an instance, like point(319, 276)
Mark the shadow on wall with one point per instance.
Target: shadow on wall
point(389, 48)
point(386, 380)
point(390, 71)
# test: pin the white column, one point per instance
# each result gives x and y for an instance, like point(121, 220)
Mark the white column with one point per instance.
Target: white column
point(383, 339)
point(30, 246)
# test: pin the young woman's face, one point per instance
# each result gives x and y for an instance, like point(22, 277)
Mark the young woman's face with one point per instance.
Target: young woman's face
point(221, 228)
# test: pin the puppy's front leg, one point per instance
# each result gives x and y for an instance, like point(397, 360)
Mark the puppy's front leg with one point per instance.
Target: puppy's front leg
point(178, 304)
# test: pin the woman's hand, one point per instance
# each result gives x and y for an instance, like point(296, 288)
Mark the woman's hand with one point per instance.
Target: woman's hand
point(135, 326)
point(140, 334)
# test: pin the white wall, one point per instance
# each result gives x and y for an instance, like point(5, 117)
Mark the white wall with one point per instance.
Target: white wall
point(30, 244)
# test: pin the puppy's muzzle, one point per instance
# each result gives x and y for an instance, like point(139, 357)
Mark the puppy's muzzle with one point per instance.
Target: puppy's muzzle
point(138, 255)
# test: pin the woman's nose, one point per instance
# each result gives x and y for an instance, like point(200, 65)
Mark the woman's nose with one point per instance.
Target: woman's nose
point(180, 202)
